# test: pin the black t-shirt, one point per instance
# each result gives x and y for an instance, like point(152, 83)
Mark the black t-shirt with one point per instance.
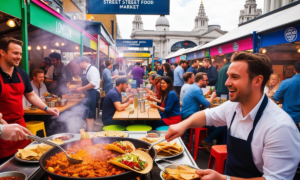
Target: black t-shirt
point(109, 108)
point(15, 79)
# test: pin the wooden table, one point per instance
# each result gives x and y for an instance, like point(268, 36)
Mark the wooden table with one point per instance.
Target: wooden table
point(70, 104)
point(151, 114)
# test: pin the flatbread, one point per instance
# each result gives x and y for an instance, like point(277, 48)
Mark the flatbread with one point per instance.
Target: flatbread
point(116, 148)
point(144, 156)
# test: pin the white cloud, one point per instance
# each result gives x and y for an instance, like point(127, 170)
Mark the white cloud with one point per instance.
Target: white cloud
point(183, 12)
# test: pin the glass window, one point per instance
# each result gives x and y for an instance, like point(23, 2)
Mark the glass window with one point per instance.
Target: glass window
point(182, 44)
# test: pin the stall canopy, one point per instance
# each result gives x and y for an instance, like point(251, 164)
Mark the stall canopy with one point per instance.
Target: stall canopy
point(265, 22)
point(195, 55)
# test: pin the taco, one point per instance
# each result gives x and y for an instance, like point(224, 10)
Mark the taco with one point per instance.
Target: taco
point(121, 147)
point(137, 161)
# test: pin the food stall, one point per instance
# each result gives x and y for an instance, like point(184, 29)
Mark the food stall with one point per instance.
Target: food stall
point(34, 169)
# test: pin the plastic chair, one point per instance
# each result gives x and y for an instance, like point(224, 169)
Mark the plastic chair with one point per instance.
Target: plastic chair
point(162, 128)
point(219, 154)
point(138, 127)
point(200, 135)
point(114, 128)
point(35, 126)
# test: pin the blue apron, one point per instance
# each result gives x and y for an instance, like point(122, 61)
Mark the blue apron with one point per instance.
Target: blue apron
point(239, 152)
point(92, 96)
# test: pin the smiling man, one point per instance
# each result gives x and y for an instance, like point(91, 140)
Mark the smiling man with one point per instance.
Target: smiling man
point(14, 83)
point(262, 141)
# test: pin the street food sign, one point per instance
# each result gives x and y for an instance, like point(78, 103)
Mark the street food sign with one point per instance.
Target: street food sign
point(147, 7)
point(134, 43)
point(285, 35)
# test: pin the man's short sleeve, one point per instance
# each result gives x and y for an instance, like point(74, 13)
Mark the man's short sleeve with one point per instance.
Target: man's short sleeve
point(26, 80)
point(115, 97)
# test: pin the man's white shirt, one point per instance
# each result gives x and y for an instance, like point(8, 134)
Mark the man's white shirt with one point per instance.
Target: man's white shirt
point(93, 76)
point(276, 139)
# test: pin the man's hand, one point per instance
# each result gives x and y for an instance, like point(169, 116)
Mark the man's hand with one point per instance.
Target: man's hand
point(148, 97)
point(14, 132)
point(210, 175)
point(115, 77)
point(53, 111)
point(130, 100)
point(214, 95)
point(130, 95)
point(2, 121)
point(174, 131)
point(79, 90)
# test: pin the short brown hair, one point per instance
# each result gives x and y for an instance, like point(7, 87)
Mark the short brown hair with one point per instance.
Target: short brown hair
point(107, 63)
point(200, 76)
point(37, 71)
point(193, 61)
point(187, 76)
point(4, 43)
point(207, 60)
point(258, 64)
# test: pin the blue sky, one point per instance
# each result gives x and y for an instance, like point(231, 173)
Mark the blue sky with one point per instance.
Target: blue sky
point(183, 12)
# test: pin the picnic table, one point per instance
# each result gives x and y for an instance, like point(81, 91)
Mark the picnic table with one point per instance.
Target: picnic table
point(151, 114)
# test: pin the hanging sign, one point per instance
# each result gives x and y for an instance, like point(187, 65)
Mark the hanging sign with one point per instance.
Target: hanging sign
point(195, 55)
point(286, 35)
point(142, 54)
point(134, 43)
point(154, 7)
point(240, 45)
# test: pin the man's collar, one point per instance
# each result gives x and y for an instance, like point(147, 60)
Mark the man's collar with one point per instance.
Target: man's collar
point(297, 75)
point(87, 67)
point(1, 70)
point(253, 112)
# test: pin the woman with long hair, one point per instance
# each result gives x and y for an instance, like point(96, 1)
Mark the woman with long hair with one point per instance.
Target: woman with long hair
point(170, 108)
point(169, 72)
point(275, 81)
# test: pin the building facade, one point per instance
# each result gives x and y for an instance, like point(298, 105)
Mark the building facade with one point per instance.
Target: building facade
point(271, 5)
point(167, 41)
point(249, 12)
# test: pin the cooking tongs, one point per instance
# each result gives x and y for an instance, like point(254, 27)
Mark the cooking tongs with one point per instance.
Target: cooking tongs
point(147, 150)
point(70, 160)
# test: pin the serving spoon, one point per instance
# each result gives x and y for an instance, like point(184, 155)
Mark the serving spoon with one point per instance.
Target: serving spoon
point(70, 160)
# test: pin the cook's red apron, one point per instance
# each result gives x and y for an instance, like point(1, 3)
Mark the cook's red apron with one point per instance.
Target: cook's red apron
point(171, 120)
point(11, 108)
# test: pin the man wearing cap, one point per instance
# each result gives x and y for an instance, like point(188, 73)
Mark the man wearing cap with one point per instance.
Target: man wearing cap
point(90, 87)
point(113, 102)
point(159, 71)
point(178, 76)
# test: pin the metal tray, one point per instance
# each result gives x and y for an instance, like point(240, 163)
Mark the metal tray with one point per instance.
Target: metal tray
point(174, 166)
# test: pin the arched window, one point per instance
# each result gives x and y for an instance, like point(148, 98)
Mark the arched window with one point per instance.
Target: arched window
point(182, 44)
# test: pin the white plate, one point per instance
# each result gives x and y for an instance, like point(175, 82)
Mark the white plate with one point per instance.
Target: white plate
point(174, 166)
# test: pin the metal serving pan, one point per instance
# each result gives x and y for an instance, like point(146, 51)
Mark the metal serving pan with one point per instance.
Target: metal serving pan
point(101, 140)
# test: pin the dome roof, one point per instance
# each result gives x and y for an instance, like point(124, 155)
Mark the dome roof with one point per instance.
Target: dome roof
point(162, 21)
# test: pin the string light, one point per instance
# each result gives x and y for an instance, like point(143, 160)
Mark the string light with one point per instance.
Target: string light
point(11, 23)
point(44, 47)
point(38, 47)
point(213, 60)
point(298, 50)
point(224, 59)
point(264, 51)
point(52, 50)
point(57, 44)
point(29, 48)
point(62, 44)
point(77, 47)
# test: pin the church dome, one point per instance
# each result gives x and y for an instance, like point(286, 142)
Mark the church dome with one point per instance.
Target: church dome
point(162, 21)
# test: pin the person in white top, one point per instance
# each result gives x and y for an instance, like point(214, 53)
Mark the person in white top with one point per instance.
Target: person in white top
point(262, 141)
point(116, 71)
point(38, 85)
point(90, 86)
point(189, 79)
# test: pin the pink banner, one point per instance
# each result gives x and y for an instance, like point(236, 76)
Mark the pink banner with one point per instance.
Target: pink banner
point(177, 59)
point(240, 45)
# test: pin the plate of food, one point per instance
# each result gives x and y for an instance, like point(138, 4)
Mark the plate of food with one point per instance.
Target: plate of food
point(84, 135)
point(33, 152)
point(165, 149)
point(62, 136)
point(180, 172)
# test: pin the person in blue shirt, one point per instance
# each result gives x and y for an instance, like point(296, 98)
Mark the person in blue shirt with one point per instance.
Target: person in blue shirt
point(113, 102)
point(288, 91)
point(194, 97)
point(178, 75)
point(107, 76)
point(211, 72)
point(170, 108)
point(194, 66)
point(159, 70)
